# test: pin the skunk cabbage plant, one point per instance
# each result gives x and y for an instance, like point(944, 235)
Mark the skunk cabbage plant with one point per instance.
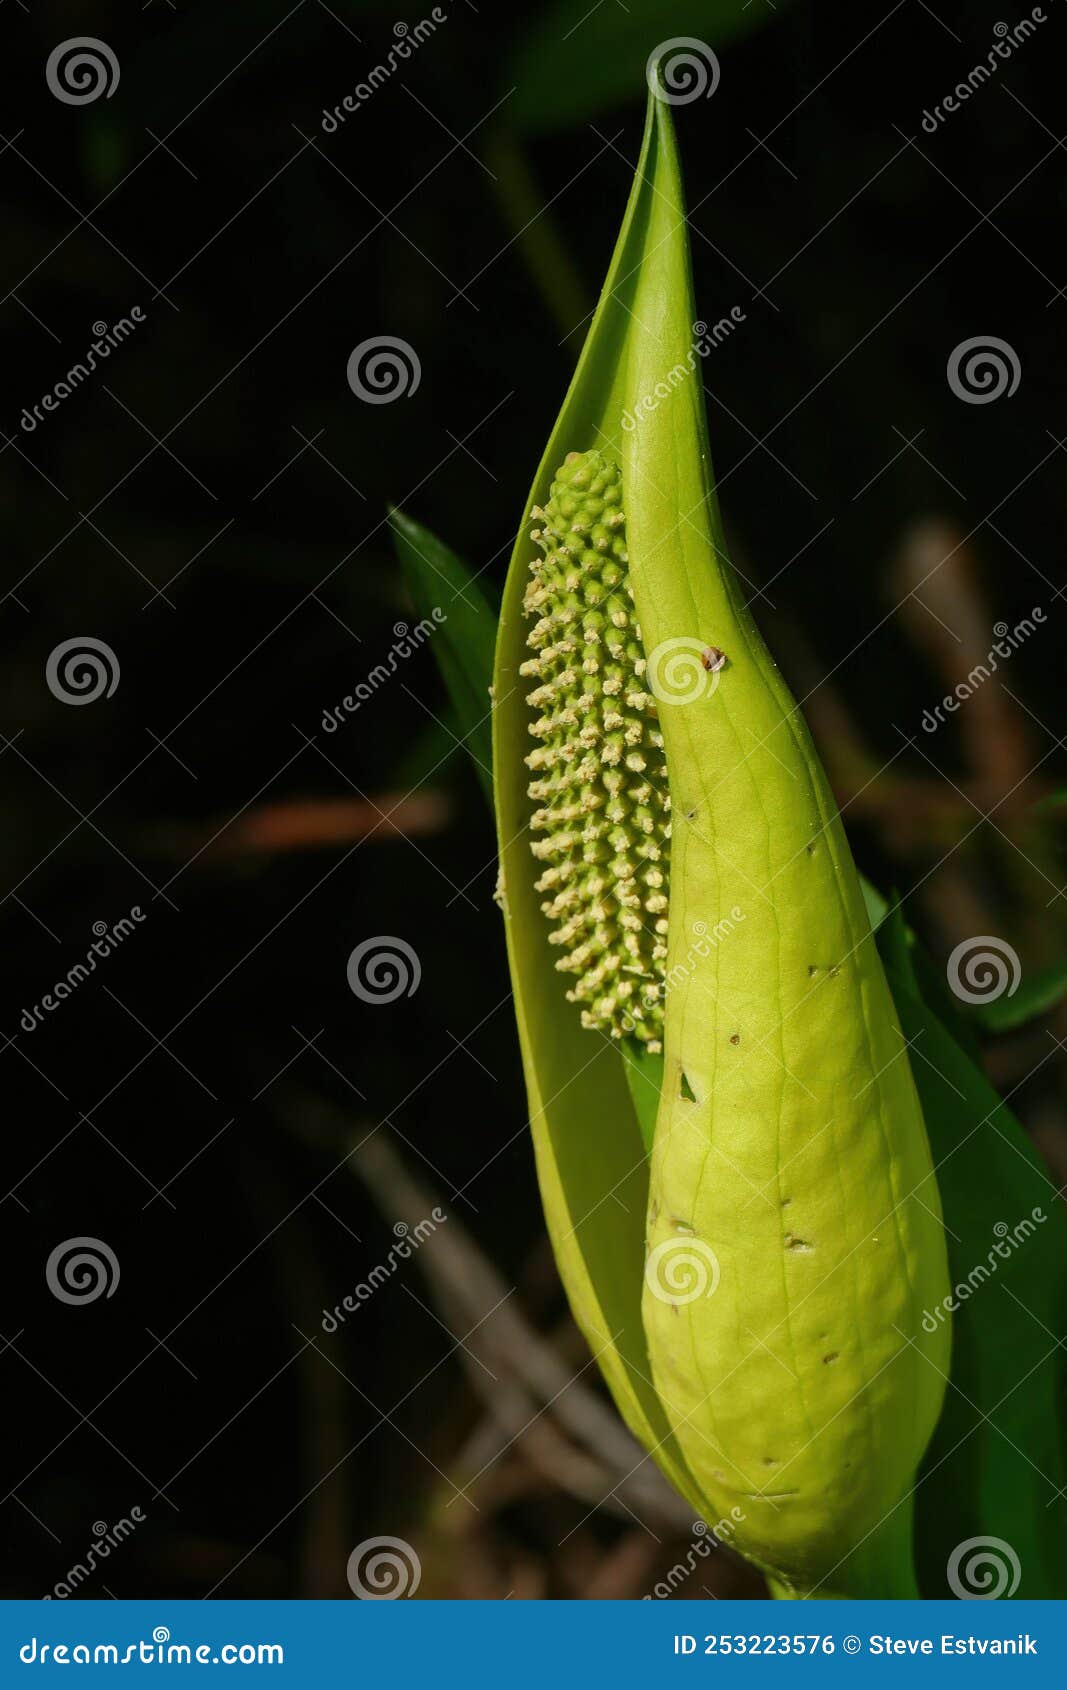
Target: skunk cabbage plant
point(731, 1151)
point(734, 1165)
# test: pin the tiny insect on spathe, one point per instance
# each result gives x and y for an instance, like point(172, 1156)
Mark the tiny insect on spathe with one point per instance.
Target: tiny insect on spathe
point(713, 659)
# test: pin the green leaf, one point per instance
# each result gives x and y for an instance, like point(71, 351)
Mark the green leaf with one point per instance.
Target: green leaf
point(464, 639)
point(997, 1459)
point(576, 60)
point(644, 1076)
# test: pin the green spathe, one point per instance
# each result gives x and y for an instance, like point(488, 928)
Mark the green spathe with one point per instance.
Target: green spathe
point(755, 1294)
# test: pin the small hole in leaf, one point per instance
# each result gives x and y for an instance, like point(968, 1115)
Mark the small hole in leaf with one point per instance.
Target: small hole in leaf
point(735, 1038)
point(685, 1090)
point(799, 1246)
point(826, 1360)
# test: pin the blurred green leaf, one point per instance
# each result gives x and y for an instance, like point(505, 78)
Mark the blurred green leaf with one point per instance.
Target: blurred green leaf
point(463, 642)
point(996, 1461)
point(575, 59)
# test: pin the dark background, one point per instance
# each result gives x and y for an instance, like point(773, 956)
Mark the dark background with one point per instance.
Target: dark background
point(211, 504)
